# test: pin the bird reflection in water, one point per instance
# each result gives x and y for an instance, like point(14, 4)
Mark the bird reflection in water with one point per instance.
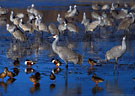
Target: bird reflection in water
point(29, 70)
point(5, 84)
point(57, 70)
point(52, 86)
point(16, 62)
point(96, 89)
point(34, 88)
point(35, 78)
point(16, 71)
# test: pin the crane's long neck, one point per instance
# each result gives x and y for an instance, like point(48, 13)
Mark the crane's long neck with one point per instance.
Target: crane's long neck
point(54, 46)
point(123, 44)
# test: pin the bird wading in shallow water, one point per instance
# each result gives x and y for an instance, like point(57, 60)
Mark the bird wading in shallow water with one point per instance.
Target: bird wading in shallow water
point(116, 52)
point(29, 62)
point(3, 74)
point(65, 53)
point(96, 79)
point(56, 62)
point(9, 73)
point(52, 76)
point(92, 62)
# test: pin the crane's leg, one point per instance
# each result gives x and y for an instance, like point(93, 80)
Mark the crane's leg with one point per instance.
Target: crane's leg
point(66, 64)
point(117, 66)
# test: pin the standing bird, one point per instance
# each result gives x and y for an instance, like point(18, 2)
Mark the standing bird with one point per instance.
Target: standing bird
point(35, 78)
point(52, 76)
point(96, 79)
point(125, 23)
point(71, 27)
point(29, 63)
point(72, 13)
point(9, 73)
point(116, 52)
point(3, 74)
point(53, 29)
point(92, 62)
point(3, 11)
point(65, 53)
point(56, 62)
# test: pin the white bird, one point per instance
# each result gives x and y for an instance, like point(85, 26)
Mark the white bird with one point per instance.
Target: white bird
point(18, 34)
point(85, 21)
point(71, 27)
point(11, 28)
point(3, 11)
point(20, 15)
point(14, 19)
point(65, 53)
point(60, 20)
point(34, 11)
point(72, 13)
point(25, 27)
point(116, 52)
point(41, 26)
point(93, 25)
point(62, 27)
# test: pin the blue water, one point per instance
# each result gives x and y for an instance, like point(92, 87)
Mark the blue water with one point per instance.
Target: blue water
point(76, 81)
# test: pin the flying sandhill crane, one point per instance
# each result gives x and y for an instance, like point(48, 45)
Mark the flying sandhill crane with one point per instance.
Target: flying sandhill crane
point(65, 53)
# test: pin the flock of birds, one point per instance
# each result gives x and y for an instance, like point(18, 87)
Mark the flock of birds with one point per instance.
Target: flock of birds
point(18, 29)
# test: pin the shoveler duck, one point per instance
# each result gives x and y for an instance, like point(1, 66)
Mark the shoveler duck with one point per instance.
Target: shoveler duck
point(92, 62)
point(52, 76)
point(35, 78)
point(10, 81)
point(29, 62)
point(4, 73)
point(56, 62)
point(9, 73)
point(29, 70)
point(56, 70)
point(96, 79)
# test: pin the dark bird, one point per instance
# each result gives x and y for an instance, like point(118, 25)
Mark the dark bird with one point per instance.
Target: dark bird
point(4, 73)
point(96, 79)
point(9, 73)
point(56, 70)
point(16, 62)
point(56, 62)
point(35, 78)
point(52, 76)
point(92, 62)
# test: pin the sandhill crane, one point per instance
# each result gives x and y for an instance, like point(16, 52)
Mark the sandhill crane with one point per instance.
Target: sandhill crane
point(72, 13)
point(93, 25)
point(14, 19)
point(95, 6)
point(116, 52)
point(65, 53)
point(3, 11)
point(18, 34)
point(125, 23)
point(60, 20)
point(41, 26)
point(25, 27)
point(53, 29)
point(85, 21)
